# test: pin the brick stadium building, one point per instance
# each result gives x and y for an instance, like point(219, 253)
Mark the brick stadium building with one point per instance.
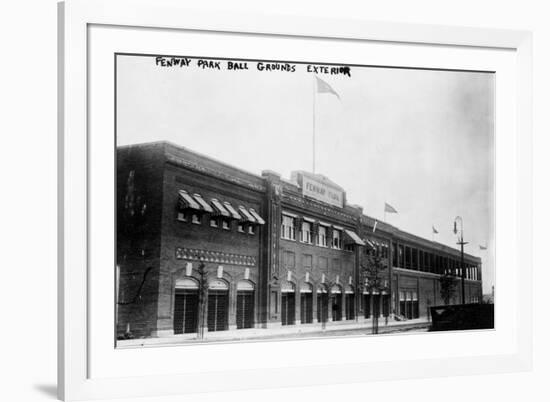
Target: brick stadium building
point(199, 241)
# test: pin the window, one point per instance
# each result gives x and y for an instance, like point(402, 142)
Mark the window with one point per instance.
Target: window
point(182, 216)
point(240, 228)
point(225, 224)
point(407, 257)
point(196, 218)
point(306, 232)
point(251, 229)
point(322, 236)
point(214, 222)
point(288, 231)
point(394, 254)
point(401, 253)
point(421, 260)
point(323, 263)
point(307, 261)
point(289, 260)
point(337, 239)
point(415, 258)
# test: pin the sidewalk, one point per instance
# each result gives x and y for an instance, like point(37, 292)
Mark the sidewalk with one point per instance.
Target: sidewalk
point(340, 328)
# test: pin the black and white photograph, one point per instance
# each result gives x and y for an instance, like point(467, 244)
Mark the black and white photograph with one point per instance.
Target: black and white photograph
point(263, 200)
point(275, 201)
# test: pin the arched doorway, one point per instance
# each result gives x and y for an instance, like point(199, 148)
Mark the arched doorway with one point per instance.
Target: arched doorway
point(336, 295)
point(186, 305)
point(306, 303)
point(350, 302)
point(366, 303)
point(288, 303)
point(245, 304)
point(322, 304)
point(218, 304)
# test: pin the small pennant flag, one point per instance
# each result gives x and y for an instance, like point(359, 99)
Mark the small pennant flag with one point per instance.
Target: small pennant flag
point(374, 227)
point(389, 208)
point(434, 229)
point(323, 87)
point(482, 247)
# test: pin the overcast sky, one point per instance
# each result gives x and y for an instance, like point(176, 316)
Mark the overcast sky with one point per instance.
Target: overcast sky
point(420, 140)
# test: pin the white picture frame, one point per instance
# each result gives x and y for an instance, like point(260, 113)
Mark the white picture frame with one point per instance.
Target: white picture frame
point(76, 378)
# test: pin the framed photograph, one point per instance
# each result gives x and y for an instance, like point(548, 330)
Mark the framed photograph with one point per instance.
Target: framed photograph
point(262, 201)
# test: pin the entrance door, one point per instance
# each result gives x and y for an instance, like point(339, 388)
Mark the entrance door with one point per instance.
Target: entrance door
point(402, 303)
point(336, 303)
point(306, 308)
point(366, 301)
point(186, 311)
point(409, 305)
point(350, 306)
point(337, 307)
point(245, 309)
point(288, 308)
point(186, 306)
point(385, 305)
point(376, 305)
point(218, 302)
point(322, 306)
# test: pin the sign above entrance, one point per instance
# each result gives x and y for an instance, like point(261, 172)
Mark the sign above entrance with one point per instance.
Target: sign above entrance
point(320, 188)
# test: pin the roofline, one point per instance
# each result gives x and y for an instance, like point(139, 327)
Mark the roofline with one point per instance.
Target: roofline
point(398, 233)
point(166, 144)
point(395, 230)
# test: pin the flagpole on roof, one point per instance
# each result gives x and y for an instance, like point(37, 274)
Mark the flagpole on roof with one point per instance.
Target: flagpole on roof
point(319, 86)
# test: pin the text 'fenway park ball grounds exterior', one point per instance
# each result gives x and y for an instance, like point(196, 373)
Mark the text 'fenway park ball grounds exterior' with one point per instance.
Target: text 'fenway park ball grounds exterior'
point(204, 248)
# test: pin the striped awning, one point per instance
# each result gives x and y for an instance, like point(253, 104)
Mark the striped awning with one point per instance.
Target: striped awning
point(246, 215)
point(219, 209)
point(234, 214)
point(354, 237)
point(203, 203)
point(257, 217)
point(186, 201)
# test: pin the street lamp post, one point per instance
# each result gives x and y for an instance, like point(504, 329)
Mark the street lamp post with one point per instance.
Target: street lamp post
point(462, 243)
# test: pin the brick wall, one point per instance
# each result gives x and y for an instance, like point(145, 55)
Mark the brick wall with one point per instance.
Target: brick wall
point(188, 235)
point(139, 204)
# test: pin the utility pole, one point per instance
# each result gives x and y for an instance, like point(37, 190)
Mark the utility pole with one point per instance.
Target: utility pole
point(462, 243)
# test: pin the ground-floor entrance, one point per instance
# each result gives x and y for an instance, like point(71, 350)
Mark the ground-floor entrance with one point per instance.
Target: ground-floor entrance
point(186, 311)
point(306, 304)
point(322, 305)
point(218, 306)
point(245, 309)
point(288, 305)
